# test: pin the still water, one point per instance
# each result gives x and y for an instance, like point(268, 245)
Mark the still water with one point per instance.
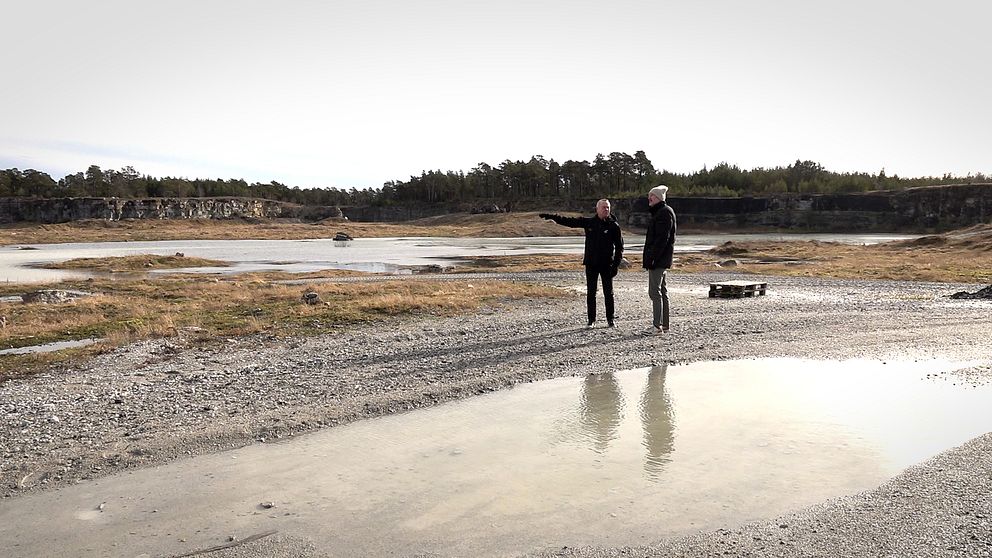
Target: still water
point(384, 255)
point(48, 347)
point(618, 458)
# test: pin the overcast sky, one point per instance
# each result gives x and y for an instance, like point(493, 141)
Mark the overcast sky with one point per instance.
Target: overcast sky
point(355, 93)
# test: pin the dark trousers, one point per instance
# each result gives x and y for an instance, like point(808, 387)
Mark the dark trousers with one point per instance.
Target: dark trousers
point(593, 276)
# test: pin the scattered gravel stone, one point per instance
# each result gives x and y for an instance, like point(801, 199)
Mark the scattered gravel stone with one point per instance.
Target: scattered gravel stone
point(157, 400)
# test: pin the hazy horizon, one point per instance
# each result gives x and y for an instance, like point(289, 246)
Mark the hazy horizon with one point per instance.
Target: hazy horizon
point(353, 94)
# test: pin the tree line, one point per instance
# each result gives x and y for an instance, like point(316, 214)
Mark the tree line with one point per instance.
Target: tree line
point(616, 175)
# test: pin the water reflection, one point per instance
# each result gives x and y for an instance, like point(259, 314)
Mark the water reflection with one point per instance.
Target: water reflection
point(658, 420)
point(601, 408)
point(601, 411)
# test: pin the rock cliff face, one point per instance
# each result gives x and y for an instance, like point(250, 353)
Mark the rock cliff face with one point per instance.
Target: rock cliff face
point(935, 208)
point(59, 210)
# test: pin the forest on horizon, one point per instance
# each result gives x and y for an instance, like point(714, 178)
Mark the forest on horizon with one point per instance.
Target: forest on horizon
point(617, 175)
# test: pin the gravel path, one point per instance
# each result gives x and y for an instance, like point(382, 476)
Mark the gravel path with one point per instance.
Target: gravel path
point(156, 401)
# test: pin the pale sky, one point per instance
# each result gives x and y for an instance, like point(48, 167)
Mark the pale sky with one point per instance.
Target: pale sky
point(356, 93)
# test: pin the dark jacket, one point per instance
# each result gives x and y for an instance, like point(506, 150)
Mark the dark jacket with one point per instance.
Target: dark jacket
point(659, 242)
point(604, 241)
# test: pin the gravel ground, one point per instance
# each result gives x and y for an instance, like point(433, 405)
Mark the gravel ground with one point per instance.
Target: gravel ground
point(157, 401)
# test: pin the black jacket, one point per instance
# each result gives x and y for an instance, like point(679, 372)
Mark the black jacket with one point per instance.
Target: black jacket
point(604, 241)
point(659, 242)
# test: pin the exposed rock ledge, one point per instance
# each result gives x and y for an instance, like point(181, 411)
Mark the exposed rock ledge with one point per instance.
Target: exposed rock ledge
point(60, 210)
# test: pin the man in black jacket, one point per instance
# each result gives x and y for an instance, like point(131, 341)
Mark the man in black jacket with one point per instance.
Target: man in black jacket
point(659, 248)
point(602, 256)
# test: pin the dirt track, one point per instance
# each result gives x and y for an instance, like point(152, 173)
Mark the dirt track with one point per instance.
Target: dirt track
point(158, 401)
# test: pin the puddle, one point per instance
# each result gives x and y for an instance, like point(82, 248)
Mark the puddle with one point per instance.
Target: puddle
point(606, 460)
point(48, 347)
point(288, 267)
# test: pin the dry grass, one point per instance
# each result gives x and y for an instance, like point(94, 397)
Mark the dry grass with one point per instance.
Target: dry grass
point(520, 263)
point(940, 262)
point(127, 310)
point(139, 262)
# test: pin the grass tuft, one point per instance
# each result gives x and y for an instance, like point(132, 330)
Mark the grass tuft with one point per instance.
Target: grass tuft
point(139, 262)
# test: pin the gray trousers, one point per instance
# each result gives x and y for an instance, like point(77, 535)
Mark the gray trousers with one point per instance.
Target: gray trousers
point(658, 292)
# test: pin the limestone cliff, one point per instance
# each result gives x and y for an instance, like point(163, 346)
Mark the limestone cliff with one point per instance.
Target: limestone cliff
point(935, 208)
point(59, 210)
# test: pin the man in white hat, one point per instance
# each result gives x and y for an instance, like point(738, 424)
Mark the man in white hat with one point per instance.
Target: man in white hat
point(659, 248)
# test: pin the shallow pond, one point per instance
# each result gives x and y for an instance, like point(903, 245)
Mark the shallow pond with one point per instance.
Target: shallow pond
point(611, 459)
point(384, 255)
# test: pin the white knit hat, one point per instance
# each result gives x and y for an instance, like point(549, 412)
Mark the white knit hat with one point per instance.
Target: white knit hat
point(661, 191)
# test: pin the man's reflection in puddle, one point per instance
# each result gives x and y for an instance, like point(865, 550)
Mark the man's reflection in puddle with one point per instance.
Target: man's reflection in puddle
point(601, 405)
point(602, 410)
point(658, 420)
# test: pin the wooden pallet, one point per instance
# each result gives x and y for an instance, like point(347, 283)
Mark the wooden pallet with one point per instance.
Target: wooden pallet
point(737, 289)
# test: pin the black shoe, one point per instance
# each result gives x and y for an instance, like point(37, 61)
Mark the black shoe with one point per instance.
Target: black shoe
point(609, 323)
point(590, 324)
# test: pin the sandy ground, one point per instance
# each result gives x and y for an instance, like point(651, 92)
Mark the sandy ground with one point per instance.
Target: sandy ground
point(158, 401)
